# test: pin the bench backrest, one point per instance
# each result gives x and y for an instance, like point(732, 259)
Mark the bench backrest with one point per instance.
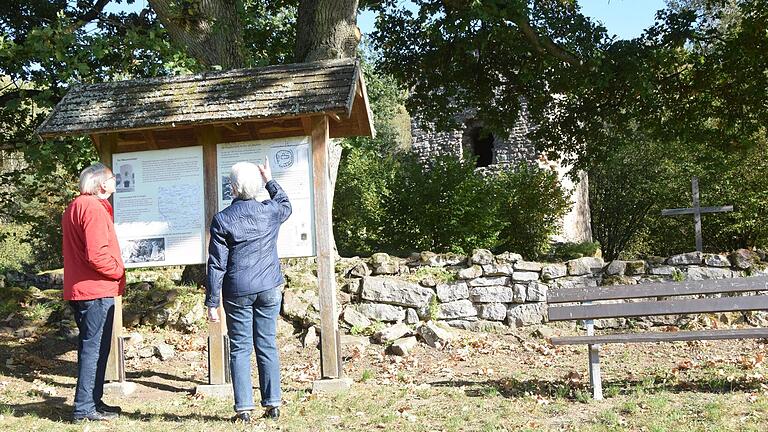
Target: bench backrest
point(670, 304)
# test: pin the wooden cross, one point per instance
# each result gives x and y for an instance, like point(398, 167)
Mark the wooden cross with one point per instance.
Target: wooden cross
point(696, 211)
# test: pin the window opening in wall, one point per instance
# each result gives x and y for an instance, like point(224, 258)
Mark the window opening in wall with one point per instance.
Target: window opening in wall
point(481, 143)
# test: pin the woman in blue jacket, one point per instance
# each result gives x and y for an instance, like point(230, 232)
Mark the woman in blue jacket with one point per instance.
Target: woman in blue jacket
point(244, 272)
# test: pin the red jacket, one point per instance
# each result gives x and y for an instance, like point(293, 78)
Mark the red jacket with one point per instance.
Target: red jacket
point(93, 267)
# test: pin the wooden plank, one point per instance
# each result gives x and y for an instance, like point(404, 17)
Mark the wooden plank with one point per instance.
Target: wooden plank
point(666, 307)
point(208, 137)
point(658, 289)
point(681, 336)
point(697, 213)
point(688, 210)
point(330, 367)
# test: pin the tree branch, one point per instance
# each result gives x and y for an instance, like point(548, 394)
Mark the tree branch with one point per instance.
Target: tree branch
point(17, 94)
point(92, 13)
point(545, 44)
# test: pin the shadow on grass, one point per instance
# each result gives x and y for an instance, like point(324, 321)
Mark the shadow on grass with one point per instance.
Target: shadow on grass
point(52, 408)
point(40, 354)
point(581, 391)
point(55, 409)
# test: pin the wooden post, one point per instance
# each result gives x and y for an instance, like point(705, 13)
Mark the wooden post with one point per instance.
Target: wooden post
point(218, 358)
point(330, 364)
point(696, 213)
point(697, 210)
point(595, 378)
point(106, 145)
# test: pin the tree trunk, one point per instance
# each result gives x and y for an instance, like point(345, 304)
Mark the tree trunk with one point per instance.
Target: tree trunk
point(210, 30)
point(326, 29)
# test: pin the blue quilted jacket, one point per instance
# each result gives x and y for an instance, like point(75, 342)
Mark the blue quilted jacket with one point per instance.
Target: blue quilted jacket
point(242, 254)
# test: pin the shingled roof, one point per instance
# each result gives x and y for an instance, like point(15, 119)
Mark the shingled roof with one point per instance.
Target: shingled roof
point(292, 90)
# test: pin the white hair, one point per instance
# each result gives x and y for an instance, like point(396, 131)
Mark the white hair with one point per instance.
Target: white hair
point(246, 180)
point(91, 178)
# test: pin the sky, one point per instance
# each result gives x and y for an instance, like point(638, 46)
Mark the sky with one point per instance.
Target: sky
point(624, 18)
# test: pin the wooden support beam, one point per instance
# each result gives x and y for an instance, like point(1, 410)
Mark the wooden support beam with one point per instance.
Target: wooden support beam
point(218, 361)
point(150, 139)
point(106, 145)
point(330, 361)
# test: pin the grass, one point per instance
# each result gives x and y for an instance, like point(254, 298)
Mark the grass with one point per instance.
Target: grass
point(525, 392)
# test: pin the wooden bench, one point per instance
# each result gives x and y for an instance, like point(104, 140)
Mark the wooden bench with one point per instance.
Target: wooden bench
point(662, 298)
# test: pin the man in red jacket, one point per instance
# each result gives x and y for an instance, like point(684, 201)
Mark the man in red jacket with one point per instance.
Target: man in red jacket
point(93, 275)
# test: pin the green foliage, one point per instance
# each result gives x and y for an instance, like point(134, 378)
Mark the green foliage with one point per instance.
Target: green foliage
point(678, 275)
point(434, 308)
point(532, 203)
point(697, 75)
point(15, 252)
point(629, 189)
point(367, 331)
point(397, 204)
point(567, 251)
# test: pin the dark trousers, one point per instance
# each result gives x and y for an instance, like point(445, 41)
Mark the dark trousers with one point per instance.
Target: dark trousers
point(94, 319)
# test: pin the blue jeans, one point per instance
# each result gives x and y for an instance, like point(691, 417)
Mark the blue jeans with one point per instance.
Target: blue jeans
point(252, 323)
point(94, 320)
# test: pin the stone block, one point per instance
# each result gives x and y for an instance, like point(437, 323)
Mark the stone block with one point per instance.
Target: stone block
point(488, 281)
point(616, 268)
point(497, 269)
point(536, 292)
point(492, 311)
point(481, 257)
point(434, 334)
point(743, 258)
point(395, 292)
point(392, 333)
point(585, 266)
point(524, 276)
point(354, 318)
point(403, 346)
point(716, 260)
point(331, 385)
point(492, 294)
point(472, 272)
point(456, 309)
point(553, 271)
point(701, 273)
point(452, 291)
point(526, 314)
point(635, 268)
point(528, 266)
point(689, 258)
point(381, 312)
point(508, 258)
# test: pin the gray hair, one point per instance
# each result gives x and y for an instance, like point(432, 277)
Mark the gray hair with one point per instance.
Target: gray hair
point(246, 180)
point(91, 178)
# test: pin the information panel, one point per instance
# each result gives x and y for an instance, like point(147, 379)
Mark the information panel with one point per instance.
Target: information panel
point(159, 210)
point(291, 164)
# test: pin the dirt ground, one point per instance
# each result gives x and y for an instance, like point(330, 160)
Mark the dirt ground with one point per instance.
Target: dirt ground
point(37, 375)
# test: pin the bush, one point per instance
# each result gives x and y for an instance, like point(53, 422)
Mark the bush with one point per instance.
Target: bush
point(15, 250)
point(532, 204)
point(396, 204)
point(629, 189)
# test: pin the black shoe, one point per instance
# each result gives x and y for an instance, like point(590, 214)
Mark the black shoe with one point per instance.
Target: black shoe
point(97, 416)
point(108, 408)
point(273, 413)
point(242, 416)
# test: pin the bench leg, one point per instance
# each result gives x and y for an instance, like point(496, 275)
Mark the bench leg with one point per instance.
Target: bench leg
point(594, 372)
point(594, 362)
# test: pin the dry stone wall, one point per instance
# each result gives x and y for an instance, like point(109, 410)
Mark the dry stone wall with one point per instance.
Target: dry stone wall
point(486, 291)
